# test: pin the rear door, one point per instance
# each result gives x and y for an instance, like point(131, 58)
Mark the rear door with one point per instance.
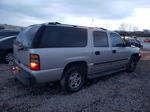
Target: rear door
point(119, 54)
point(101, 52)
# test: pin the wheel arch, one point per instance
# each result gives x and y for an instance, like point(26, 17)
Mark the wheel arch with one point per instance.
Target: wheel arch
point(137, 56)
point(82, 64)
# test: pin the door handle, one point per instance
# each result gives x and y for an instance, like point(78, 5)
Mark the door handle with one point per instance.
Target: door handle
point(114, 51)
point(97, 52)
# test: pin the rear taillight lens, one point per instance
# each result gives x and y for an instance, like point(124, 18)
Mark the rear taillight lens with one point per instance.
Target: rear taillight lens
point(34, 62)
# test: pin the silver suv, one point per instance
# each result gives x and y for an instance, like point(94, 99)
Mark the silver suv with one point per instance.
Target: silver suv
point(70, 54)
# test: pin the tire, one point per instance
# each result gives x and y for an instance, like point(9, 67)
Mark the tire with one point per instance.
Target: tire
point(9, 59)
point(73, 79)
point(131, 66)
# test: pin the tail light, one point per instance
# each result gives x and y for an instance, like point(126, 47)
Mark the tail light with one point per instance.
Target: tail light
point(34, 62)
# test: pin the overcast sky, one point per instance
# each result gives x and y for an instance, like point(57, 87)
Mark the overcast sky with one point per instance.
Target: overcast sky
point(106, 13)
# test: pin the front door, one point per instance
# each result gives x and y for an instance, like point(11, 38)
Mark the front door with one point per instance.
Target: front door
point(120, 54)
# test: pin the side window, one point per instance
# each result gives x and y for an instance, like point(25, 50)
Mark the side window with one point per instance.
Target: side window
point(116, 40)
point(100, 39)
point(60, 36)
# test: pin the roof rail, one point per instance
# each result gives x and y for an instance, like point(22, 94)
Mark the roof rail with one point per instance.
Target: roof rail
point(103, 28)
point(54, 23)
point(97, 28)
point(91, 27)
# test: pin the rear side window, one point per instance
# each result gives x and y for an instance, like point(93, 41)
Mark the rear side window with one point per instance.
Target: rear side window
point(59, 36)
point(100, 39)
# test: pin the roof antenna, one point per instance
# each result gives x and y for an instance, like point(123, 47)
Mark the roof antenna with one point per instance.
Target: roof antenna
point(93, 22)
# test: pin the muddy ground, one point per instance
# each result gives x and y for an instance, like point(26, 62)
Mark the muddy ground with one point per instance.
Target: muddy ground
point(119, 92)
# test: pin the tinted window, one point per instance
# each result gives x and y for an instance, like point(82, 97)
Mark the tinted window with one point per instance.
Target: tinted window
point(100, 39)
point(26, 36)
point(116, 40)
point(59, 36)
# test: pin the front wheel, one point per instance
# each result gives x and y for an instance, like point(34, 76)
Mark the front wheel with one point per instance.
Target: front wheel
point(132, 64)
point(73, 79)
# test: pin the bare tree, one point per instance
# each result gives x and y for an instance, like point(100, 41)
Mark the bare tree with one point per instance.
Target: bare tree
point(128, 27)
point(135, 28)
point(123, 27)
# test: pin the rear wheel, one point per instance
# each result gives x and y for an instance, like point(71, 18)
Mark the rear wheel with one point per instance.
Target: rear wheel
point(73, 79)
point(132, 64)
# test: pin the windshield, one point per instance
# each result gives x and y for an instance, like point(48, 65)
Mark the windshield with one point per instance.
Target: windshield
point(26, 36)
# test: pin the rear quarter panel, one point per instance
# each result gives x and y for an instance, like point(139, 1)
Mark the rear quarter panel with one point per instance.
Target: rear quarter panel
point(51, 58)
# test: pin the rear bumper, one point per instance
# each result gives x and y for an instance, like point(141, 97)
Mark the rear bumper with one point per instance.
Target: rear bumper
point(23, 76)
point(28, 77)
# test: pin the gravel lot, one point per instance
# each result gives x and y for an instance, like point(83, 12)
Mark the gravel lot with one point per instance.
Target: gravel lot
point(119, 92)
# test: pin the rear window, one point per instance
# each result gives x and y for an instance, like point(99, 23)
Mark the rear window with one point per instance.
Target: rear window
point(60, 36)
point(26, 36)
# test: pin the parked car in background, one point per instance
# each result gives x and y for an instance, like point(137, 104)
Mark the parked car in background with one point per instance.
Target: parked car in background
point(70, 54)
point(1, 37)
point(6, 45)
point(6, 33)
point(146, 40)
point(6, 49)
point(134, 42)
